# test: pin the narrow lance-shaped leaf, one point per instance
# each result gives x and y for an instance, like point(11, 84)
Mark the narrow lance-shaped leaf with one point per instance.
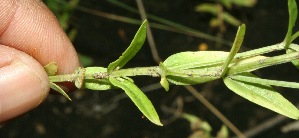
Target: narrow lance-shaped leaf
point(188, 60)
point(235, 48)
point(138, 97)
point(292, 6)
point(187, 68)
point(58, 89)
point(257, 80)
point(131, 51)
point(263, 95)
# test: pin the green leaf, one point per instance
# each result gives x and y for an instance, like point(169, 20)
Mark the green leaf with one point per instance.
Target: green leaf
point(187, 68)
point(131, 51)
point(263, 95)
point(58, 89)
point(292, 6)
point(188, 60)
point(90, 82)
point(235, 48)
point(51, 68)
point(138, 97)
point(257, 80)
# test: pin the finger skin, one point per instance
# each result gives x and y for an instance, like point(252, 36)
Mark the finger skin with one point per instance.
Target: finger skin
point(30, 27)
point(30, 37)
point(23, 83)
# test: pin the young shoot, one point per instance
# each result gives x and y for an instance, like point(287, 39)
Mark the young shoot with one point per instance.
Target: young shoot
point(189, 68)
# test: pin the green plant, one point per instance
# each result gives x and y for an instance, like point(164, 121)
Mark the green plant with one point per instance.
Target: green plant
point(188, 68)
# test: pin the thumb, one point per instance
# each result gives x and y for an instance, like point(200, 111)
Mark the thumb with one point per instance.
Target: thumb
point(23, 82)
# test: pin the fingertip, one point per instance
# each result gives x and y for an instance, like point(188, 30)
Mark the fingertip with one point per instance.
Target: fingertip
point(29, 26)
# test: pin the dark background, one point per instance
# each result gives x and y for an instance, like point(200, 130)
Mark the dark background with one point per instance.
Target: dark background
point(94, 114)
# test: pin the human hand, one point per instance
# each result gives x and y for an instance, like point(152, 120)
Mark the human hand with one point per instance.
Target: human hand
point(30, 37)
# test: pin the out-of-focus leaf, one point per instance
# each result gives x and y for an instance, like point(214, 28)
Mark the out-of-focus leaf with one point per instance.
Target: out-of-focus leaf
point(196, 124)
point(244, 3)
point(213, 9)
point(85, 60)
point(230, 19)
point(226, 3)
point(207, 7)
point(223, 133)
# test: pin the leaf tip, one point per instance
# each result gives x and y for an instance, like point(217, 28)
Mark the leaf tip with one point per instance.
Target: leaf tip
point(159, 123)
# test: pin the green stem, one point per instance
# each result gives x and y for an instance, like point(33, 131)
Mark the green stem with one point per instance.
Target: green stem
point(260, 51)
point(154, 71)
point(63, 78)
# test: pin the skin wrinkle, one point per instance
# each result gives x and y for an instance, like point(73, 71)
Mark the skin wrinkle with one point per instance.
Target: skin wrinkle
point(45, 41)
point(12, 57)
point(6, 14)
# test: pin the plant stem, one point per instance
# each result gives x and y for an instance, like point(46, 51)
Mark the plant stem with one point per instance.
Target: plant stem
point(63, 78)
point(236, 68)
point(261, 63)
point(153, 71)
point(260, 51)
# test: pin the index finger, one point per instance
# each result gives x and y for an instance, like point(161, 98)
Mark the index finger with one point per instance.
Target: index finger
point(28, 25)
